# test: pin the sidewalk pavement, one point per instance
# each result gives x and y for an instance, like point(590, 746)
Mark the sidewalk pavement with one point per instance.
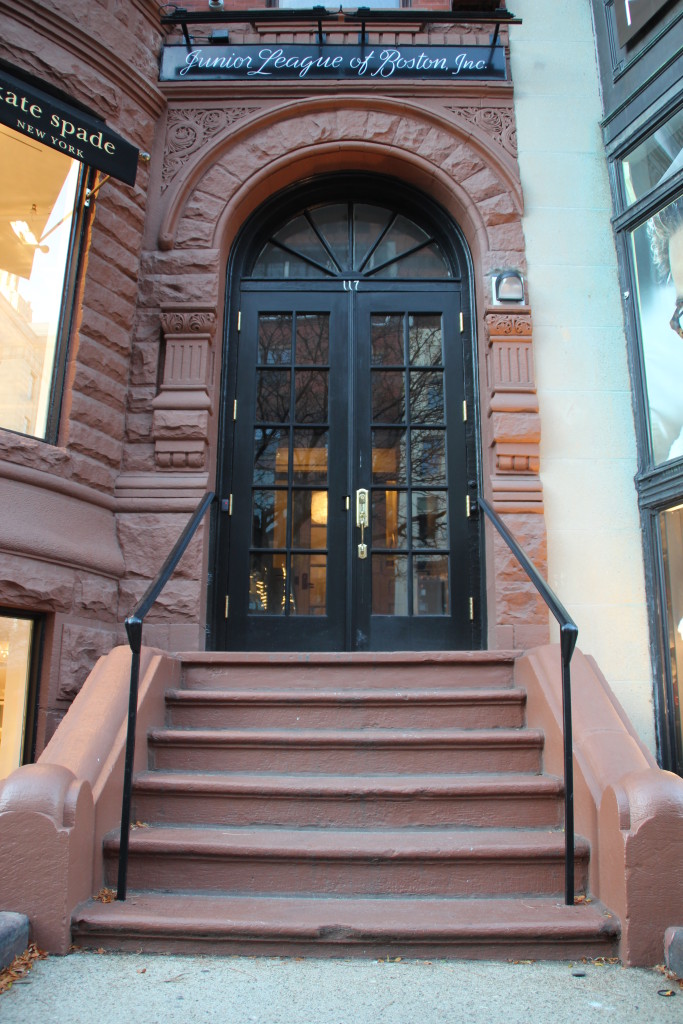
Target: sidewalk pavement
point(144, 988)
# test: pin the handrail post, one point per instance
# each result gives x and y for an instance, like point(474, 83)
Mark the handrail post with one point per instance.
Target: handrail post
point(133, 626)
point(134, 631)
point(568, 636)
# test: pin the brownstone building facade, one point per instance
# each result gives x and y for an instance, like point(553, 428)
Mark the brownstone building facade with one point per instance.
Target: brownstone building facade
point(312, 300)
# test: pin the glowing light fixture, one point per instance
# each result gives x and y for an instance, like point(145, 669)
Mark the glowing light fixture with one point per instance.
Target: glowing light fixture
point(319, 508)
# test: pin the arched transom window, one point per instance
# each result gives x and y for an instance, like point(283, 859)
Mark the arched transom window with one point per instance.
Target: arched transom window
point(358, 239)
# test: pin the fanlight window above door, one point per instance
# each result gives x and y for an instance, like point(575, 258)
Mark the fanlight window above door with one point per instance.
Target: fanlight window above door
point(352, 239)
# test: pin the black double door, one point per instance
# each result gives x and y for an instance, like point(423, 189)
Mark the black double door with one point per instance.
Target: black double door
point(345, 517)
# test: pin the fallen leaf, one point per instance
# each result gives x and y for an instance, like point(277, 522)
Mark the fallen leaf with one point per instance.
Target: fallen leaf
point(140, 824)
point(106, 896)
point(142, 970)
point(20, 966)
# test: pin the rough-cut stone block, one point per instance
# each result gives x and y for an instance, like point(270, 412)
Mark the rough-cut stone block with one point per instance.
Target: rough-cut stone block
point(26, 583)
point(97, 595)
point(176, 424)
point(93, 412)
point(81, 647)
point(147, 538)
point(178, 600)
point(14, 930)
point(94, 443)
point(93, 474)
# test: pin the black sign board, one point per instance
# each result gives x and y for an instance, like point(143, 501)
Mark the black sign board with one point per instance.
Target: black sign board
point(60, 126)
point(298, 61)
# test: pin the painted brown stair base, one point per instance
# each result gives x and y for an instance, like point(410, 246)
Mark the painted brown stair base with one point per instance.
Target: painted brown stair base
point(330, 804)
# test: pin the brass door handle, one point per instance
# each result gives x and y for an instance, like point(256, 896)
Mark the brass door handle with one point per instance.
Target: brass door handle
point(362, 518)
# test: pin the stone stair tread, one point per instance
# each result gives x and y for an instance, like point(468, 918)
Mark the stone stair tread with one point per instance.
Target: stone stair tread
point(371, 737)
point(309, 785)
point(352, 658)
point(477, 927)
point(356, 695)
point(347, 844)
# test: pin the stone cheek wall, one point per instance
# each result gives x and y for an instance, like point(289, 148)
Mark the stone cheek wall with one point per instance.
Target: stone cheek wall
point(59, 551)
point(220, 160)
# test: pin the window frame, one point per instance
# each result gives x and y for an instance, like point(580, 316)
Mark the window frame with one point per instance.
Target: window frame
point(659, 486)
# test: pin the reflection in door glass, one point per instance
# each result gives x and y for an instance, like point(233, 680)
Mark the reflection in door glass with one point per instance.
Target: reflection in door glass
point(430, 585)
point(274, 338)
point(309, 584)
point(389, 456)
point(398, 481)
point(424, 340)
point(430, 519)
point(290, 468)
point(389, 584)
point(271, 455)
point(389, 519)
point(313, 338)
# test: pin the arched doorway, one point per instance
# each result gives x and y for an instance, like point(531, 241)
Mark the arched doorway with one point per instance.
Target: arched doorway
point(349, 441)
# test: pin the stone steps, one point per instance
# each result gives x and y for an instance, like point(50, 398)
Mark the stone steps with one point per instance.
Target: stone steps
point(335, 804)
point(484, 707)
point(538, 928)
point(348, 751)
point(506, 800)
point(287, 861)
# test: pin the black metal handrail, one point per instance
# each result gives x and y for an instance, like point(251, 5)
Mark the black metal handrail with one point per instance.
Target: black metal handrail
point(569, 632)
point(134, 631)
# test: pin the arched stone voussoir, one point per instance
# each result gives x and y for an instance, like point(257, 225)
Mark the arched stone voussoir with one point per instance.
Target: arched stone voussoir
point(392, 137)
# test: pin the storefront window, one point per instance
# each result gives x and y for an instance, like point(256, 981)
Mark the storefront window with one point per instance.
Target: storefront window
point(672, 548)
point(657, 249)
point(38, 188)
point(656, 160)
point(15, 659)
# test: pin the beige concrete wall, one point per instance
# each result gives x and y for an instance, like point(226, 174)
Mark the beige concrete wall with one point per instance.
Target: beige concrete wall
point(588, 456)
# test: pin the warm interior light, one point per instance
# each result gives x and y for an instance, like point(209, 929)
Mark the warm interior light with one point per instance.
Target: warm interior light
point(26, 236)
point(680, 629)
point(23, 232)
point(319, 508)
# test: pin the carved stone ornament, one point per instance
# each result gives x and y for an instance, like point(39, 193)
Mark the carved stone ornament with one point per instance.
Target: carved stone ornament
point(508, 324)
point(188, 322)
point(188, 129)
point(498, 123)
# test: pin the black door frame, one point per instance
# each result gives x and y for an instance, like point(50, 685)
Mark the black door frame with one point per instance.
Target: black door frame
point(251, 239)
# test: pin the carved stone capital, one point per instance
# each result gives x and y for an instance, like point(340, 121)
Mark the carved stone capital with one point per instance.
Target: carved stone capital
point(188, 321)
point(501, 325)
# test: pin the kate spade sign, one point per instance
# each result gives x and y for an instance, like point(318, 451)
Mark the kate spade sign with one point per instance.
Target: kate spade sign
point(58, 125)
point(297, 62)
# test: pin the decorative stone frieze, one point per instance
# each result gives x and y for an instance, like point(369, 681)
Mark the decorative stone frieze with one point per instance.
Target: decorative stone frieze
point(497, 122)
point(190, 128)
point(180, 423)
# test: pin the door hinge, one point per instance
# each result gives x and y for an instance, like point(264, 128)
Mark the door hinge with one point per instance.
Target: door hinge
point(230, 504)
point(227, 605)
point(471, 609)
point(462, 323)
point(464, 411)
point(239, 321)
point(234, 410)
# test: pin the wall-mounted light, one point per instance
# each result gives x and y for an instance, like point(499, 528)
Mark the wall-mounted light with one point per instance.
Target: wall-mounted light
point(216, 5)
point(508, 286)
